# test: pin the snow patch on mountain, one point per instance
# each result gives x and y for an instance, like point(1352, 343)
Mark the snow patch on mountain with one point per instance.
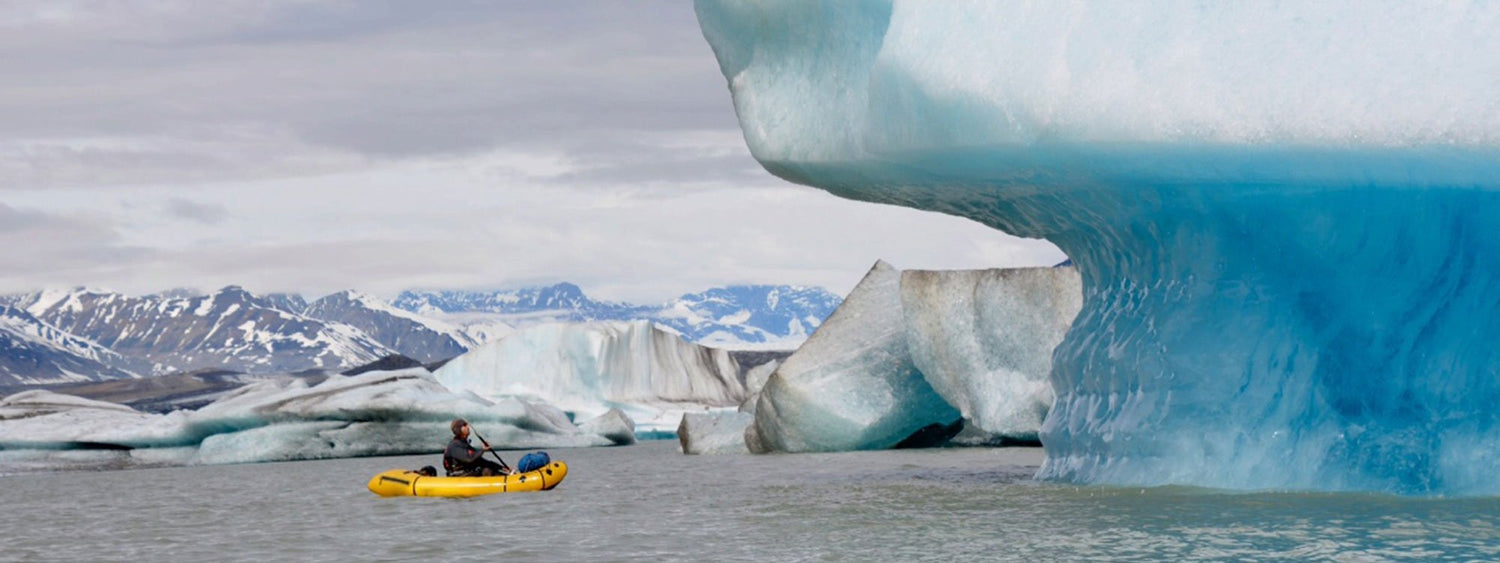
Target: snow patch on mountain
point(34, 352)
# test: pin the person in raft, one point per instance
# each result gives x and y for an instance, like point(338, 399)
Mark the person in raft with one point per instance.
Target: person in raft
point(462, 460)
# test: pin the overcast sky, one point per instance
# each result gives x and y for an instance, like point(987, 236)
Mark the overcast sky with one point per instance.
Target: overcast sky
point(381, 146)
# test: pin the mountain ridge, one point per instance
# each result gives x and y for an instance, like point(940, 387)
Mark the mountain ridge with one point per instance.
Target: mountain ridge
point(232, 328)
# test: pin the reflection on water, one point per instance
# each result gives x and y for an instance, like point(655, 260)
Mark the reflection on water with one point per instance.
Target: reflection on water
point(648, 502)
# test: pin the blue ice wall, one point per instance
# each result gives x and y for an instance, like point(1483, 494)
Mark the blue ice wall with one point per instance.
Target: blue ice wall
point(1286, 220)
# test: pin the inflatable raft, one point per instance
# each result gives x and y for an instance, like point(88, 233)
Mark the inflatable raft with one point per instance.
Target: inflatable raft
point(406, 483)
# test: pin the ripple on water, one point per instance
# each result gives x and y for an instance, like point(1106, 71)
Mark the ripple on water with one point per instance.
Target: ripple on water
point(648, 502)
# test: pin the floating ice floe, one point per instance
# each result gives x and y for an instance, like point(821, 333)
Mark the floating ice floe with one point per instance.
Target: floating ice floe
point(714, 433)
point(376, 413)
point(43, 420)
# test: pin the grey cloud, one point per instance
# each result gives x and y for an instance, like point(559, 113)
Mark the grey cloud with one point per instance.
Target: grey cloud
point(206, 213)
point(622, 161)
point(39, 248)
point(385, 80)
point(309, 121)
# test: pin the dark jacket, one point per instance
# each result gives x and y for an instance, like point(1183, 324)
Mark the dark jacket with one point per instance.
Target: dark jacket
point(460, 455)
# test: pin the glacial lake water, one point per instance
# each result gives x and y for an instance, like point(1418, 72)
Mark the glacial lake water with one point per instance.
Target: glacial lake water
point(648, 503)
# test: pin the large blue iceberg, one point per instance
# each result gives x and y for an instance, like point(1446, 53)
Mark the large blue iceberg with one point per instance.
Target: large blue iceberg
point(1283, 216)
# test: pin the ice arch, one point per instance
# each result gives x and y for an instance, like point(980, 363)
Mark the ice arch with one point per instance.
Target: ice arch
point(1284, 218)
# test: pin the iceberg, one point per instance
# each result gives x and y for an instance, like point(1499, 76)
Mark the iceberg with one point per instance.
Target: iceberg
point(44, 420)
point(614, 425)
point(984, 338)
point(375, 413)
point(650, 375)
point(913, 357)
point(714, 433)
point(723, 431)
point(852, 385)
point(1282, 216)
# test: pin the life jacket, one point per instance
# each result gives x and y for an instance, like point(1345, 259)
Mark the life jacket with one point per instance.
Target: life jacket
point(453, 468)
point(449, 465)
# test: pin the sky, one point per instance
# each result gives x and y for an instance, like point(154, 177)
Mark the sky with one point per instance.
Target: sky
point(312, 147)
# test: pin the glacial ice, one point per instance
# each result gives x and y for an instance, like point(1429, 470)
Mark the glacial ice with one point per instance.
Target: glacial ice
point(43, 420)
point(376, 413)
point(723, 431)
point(914, 350)
point(852, 385)
point(714, 433)
point(586, 369)
point(984, 338)
point(1282, 216)
point(614, 425)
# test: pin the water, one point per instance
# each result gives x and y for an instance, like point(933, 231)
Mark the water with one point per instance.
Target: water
point(648, 502)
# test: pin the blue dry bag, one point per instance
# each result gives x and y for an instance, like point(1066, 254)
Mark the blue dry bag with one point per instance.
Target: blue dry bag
point(532, 462)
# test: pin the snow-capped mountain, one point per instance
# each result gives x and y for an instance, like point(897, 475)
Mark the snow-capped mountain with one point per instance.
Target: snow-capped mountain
point(563, 302)
point(421, 338)
point(82, 334)
point(34, 352)
point(748, 314)
point(289, 302)
point(229, 329)
point(729, 316)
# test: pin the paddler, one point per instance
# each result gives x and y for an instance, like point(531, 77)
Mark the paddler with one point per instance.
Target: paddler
point(462, 460)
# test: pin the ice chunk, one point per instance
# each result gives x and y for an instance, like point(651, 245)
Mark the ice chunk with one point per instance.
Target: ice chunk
point(984, 339)
point(587, 369)
point(852, 385)
point(755, 380)
point(714, 433)
point(614, 426)
point(1282, 216)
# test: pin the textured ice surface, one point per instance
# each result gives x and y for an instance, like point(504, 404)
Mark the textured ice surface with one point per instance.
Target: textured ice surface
point(614, 425)
point(714, 433)
point(852, 385)
point(1283, 216)
point(52, 421)
point(589, 368)
point(912, 349)
point(755, 380)
point(376, 413)
point(984, 338)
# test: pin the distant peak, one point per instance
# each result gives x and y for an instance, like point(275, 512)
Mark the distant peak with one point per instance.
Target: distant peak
point(180, 293)
point(564, 288)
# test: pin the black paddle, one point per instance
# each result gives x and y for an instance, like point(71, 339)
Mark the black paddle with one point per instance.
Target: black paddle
point(487, 447)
